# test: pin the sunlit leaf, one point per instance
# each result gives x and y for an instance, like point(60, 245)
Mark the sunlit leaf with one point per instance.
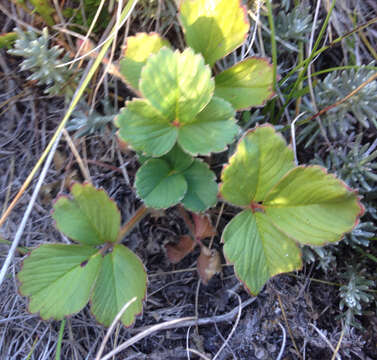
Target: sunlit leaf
point(246, 84)
point(90, 217)
point(58, 278)
point(121, 278)
point(312, 207)
point(214, 28)
point(258, 250)
point(138, 49)
point(260, 161)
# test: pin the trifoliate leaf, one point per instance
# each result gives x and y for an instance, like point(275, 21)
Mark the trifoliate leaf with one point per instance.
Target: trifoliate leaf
point(258, 250)
point(246, 84)
point(159, 185)
point(121, 278)
point(211, 131)
point(58, 278)
point(178, 159)
point(311, 206)
point(261, 159)
point(138, 50)
point(90, 217)
point(214, 28)
point(146, 129)
point(201, 187)
point(284, 205)
point(178, 85)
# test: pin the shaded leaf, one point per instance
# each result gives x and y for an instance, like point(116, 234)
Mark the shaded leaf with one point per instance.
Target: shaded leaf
point(214, 28)
point(58, 278)
point(201, 187)
point(246, 84)
point(261, 159)
point(258, 250)
point(145, 129)
point(178, 159)
point(211, 131)
point(90, 217)
point(159, 185)
point(209, 264)
point(121, 278)
point(138, 49)
point(176, 252)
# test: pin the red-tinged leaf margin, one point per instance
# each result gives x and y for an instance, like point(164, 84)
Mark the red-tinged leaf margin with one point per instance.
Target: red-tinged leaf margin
point(235, 152)
point(242, 281)
point(141, 300)
point(19, 283)
point(343, 184)
point(273, 92)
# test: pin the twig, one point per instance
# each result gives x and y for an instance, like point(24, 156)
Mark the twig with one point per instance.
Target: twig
point(234, 326)
point(338, 346)
point(204, 321)
point(145, 333)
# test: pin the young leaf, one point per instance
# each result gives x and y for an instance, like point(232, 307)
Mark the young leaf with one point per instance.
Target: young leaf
point(312, 207)
point(246, 84)
point(214, 28)
point(201, 187)
point(284, 205)
point(211, 131)
point(90, 217)
point(258, 250)
point(260, 161)
point(121, 278)
point(178, 85)
point(159, 185)
point(138, 50)
point(58, 278)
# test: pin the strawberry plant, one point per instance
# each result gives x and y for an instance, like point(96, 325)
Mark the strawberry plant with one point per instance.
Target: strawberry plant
point(186, 108)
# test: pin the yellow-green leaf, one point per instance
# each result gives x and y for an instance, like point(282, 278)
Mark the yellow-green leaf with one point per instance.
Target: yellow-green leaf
point(214, 28)
point(246, 84)
point(90, 217)
point(138, 49)
point(122, 277)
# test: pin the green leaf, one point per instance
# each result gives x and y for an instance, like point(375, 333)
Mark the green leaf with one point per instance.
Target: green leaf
point(91, 217)
point(178, 159)
point(178, 85)
point(211, 131)
point(201, 187)
point(58, 278)
point(121, 278)
point(214, 28)
point(246, 84)
point(260, 161)
point(145, 129)
point(138, 50)
point(159, 185)
point(312, 207)
point(258, 250)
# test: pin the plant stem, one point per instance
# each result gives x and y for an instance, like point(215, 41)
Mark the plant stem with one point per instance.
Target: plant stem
point(139, 214)
point(60, 338)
